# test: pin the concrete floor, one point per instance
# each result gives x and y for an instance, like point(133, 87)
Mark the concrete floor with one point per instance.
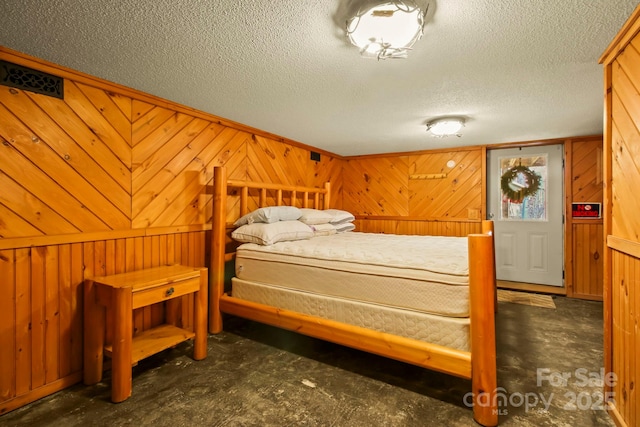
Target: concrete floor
point(256, 375)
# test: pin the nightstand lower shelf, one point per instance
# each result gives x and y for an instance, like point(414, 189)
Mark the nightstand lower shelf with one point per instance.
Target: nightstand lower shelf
point(153, 341)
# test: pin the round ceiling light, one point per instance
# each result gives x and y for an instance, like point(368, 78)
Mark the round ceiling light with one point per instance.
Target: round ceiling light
point(446, 126)
point(387, 29)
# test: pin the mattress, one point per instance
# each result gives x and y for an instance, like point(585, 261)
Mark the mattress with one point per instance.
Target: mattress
point(446, 331)
point(425, 274)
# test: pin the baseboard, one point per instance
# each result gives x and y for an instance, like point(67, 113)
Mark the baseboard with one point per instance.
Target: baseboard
point(39, 393)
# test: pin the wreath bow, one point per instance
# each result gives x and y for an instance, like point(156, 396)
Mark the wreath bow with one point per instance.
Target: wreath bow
point(515, 191)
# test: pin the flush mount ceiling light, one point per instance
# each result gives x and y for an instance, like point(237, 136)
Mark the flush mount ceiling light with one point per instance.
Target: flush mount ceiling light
point(446, 126)
point(386, 29)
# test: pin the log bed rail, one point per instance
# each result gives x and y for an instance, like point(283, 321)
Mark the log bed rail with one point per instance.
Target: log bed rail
point(478, 365)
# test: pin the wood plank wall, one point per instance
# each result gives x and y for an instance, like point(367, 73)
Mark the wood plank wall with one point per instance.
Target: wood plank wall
point(417, 193)
point(584, 267)
point(110, 179)
point(104, 181)
point(622, 224)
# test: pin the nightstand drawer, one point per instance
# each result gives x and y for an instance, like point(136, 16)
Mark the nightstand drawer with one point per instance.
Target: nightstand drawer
point(145, 297)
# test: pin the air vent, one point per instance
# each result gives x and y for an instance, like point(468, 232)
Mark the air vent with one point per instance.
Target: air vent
point(315, 156)
point(20, 77)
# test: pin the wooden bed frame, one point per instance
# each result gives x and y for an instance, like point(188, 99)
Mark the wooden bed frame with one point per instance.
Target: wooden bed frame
point(478, 365)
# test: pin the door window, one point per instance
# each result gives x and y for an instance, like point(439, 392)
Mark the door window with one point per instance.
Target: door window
point(523, 185)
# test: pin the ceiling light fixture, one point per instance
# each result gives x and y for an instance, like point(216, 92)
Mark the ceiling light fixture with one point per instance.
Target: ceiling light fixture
point(445, 126)
point(386, 29)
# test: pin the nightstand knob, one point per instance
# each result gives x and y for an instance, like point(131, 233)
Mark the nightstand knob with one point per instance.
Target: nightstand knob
point(170, 292)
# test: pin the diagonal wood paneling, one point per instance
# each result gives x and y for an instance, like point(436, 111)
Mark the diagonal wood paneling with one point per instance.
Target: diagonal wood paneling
point(377, 186)
point(150, 121)
point(626, 148)
point(586, 158)
point(272, 161)
point(62, 170)
point(451, 196)
point(329, 169)
point(73, 168)
point(267, 162)
point(170, 177)
point(115, 109)
point(108, 154)
point(96, 115)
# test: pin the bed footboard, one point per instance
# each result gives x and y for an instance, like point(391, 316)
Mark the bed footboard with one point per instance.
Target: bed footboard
point(478, 365)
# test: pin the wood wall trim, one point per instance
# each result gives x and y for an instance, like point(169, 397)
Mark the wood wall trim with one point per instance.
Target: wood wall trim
point(68, 73)
point(46, 390)
point(625, 246)
point(542, 142)
point(28, 242)
point(413, 218)
point(607, 208)
point(568, 219)
point(624, 36)
point(414, 153)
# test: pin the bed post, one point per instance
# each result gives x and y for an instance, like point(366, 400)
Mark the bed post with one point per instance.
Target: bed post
point(483, 335)
point(218, 238)
point(487, 228)
point(326, 200)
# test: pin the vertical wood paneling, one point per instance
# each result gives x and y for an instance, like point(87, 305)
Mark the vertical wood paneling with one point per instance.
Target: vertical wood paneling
point(588, 249)
point(625, 333)
point(37, 317)
point(52, 313)
point(66, 315)
point(585, 267)
point(41, 308)
point(622, 225)
point(8, 325)
point(23, 321)
point(77, 306)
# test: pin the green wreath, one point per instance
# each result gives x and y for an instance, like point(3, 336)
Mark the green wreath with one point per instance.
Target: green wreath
point(517, 193)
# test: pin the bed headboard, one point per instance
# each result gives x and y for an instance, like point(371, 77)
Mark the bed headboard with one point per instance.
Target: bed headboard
point(233, 199)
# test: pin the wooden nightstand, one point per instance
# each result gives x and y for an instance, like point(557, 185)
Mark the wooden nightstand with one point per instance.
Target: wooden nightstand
point(121, 294)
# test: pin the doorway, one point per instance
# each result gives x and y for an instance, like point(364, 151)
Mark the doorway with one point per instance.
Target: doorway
point(525, 201)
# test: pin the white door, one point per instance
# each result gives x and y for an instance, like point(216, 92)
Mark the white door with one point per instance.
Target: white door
point(525, 200)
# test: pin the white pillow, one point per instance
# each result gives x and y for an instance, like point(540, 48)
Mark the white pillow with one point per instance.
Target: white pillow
point(323, 229)
point(315, 216)
point(347, 226)
point(268, 234)
point(340, 216)
point(270, 214)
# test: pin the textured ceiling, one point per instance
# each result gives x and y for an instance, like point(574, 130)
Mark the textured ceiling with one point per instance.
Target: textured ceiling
point(518, 70)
